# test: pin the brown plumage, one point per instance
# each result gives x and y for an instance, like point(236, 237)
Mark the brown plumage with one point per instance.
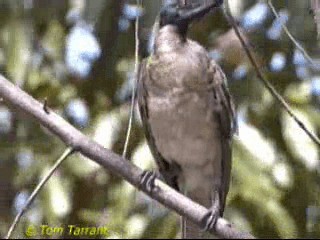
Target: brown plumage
point(189, 119)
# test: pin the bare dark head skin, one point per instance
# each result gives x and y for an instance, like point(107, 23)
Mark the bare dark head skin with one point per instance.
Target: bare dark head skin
point(182, 16)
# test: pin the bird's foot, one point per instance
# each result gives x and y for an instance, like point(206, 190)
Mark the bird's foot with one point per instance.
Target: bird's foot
point(147, 180)
point(211, 218)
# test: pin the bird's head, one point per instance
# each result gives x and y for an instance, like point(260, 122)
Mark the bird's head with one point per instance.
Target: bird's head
point(182, 16)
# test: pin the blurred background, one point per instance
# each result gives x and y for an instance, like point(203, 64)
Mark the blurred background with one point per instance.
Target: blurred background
point(79, 56)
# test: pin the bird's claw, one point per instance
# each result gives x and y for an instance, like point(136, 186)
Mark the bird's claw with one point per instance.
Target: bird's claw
point(147, 180)
point(210, 219)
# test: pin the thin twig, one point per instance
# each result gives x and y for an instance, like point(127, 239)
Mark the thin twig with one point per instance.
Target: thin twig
point(264, 80)
point(36, 191)
point(110, 161)
point(295, 42)
point(136, 69)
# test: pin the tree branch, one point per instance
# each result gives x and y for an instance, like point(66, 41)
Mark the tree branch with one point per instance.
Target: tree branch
point(170, 198)
point(264, 80)
point(37, 190)
point(291, 37)
point(136, 69)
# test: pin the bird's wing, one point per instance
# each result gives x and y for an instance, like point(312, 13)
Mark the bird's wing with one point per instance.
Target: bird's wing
point(168, 171)
point(228, 125)
point(228, 113)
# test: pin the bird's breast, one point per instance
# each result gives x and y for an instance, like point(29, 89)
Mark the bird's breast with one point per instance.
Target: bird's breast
point(181, 115)
point(184, 126)
point(178, 72)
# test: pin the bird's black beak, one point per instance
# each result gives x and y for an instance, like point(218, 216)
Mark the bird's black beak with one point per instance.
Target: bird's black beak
point(191, 13)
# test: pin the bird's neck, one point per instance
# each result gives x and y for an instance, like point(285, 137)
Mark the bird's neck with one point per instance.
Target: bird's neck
point(169, 39)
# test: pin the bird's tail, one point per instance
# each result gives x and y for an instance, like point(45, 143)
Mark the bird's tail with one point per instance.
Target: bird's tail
point(189, 230)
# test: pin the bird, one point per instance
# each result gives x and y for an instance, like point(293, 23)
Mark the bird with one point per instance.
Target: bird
point(187, 113)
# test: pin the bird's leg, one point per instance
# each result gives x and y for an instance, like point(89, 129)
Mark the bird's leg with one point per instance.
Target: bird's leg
point(147, 180)
point(210, 219)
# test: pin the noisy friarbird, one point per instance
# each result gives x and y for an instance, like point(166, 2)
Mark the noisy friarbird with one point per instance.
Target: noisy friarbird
point(187, 113)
